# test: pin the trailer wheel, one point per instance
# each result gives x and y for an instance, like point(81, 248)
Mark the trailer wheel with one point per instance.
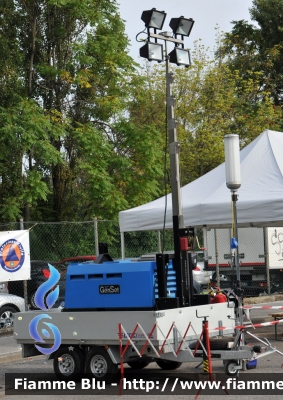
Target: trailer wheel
point(231, 367)
point(100, 366)
point(168, 365)
point(68, 363)
point(140, 364)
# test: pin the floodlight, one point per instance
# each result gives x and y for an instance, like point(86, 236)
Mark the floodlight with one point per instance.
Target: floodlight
point(232, 162)
point(180, 56)
point(152, 51)
point(153, 18)
point(181, 26)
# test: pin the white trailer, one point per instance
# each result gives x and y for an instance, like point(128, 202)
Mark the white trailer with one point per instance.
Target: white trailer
point(90, 340)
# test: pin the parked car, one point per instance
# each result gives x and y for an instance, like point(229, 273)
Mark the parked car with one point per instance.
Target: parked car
point(40, 273)
point(9, 305)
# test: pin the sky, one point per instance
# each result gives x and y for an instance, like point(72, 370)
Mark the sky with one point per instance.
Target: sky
point(207, 14)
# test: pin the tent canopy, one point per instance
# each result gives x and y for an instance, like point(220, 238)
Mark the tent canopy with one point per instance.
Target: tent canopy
point(207, 201)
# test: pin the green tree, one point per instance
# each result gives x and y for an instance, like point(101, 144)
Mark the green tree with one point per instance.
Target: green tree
point(140, 141)
point(211, 101)
point(259, 48)
point(79, 153)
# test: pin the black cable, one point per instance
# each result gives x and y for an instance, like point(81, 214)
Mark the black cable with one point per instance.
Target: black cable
point(143, 40)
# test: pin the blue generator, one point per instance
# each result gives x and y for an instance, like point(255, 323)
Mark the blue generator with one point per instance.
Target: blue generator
point(111, 285)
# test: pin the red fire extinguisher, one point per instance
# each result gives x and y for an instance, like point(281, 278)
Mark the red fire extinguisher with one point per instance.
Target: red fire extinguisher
point(220, 298)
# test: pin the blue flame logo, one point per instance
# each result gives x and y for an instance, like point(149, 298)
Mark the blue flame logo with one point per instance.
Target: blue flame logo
point(51, 298)
point(35, 335)
point(45, 287)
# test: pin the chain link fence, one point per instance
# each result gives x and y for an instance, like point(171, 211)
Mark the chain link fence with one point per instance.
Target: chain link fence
point(147, 242)
point(53, 243)
point(260, 255)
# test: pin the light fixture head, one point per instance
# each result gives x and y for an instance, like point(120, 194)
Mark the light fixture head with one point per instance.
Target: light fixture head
point(180, 56)
point(181, 26)
point(232, 162)
point(152, 51)
point(153, 18)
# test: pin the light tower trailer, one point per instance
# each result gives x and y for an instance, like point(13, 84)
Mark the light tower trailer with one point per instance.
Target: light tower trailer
point(106, 300)
point(104, 304)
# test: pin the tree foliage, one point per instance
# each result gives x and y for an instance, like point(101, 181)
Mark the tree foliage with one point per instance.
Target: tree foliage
point(211, 101)
point(259, 48)
point(69, 65)
point(83, 128)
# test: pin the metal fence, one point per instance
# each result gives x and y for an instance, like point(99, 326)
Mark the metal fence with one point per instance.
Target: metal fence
point(52, 243)
point(55, 241)
point(260, 254)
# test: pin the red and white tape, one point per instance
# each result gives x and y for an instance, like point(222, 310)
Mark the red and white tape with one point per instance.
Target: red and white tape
point(264, 307)
point(249, 326)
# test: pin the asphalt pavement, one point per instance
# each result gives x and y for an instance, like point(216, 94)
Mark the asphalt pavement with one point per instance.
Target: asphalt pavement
point(9, 349)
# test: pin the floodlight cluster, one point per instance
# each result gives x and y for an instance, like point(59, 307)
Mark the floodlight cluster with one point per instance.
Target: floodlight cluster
point(153, 50)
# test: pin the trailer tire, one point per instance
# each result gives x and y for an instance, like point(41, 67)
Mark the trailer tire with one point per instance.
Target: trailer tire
point(140, 364)
point(68, 363)
point(100, 366)
point(168, 365)
point(230, 367)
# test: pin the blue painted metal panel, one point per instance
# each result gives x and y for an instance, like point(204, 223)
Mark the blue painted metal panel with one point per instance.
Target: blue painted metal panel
point(171, 282)
point(111, 285)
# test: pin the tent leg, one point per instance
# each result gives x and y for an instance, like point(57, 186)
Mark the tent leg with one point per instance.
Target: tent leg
point(123, 245)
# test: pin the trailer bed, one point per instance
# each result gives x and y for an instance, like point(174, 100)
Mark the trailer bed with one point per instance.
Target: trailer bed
point(101, 327)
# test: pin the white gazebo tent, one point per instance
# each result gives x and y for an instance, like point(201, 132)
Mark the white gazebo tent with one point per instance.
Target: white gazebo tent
point(207, 201)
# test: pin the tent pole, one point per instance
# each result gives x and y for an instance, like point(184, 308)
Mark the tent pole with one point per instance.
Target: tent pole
point(205, 252)
point(267, 263)
point(216, 257)
point(122, 245)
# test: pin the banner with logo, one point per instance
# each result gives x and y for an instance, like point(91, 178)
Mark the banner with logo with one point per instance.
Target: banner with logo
point(14, 256)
